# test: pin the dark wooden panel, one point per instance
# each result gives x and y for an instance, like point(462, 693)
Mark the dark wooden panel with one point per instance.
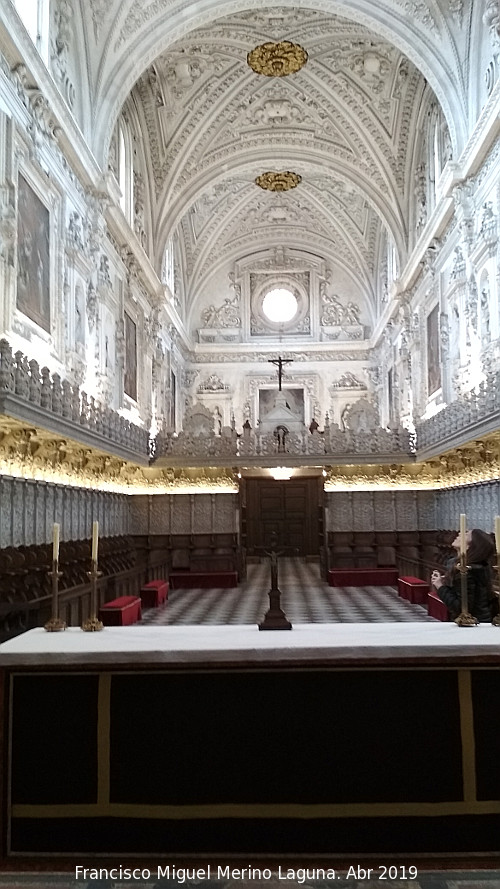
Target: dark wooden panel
point(288, 508)
point(54, 739)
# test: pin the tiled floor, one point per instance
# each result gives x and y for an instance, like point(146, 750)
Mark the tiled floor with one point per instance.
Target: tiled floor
point(305, 598)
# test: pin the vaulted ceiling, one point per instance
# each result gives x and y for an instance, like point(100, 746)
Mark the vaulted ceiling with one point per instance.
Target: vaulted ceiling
point(347, 123)
point(342, 123)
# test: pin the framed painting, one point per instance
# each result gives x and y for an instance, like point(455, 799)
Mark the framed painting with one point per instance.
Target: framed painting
point(33, 256)
point(433, 356)
point(130, 376)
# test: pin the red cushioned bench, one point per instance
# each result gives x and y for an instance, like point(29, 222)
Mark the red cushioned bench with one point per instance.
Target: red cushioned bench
point(205, 579)
point(436, 607)
point(121, 612)
point(154, 593)
point(363, 576)
point(414, 589)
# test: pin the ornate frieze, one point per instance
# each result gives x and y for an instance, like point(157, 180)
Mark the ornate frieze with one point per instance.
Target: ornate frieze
point(139, 198)
point(63, 14)
point(335, 313)
point(213, 383)
point(458, 272)
point(43, 125)
point(103, 273)
point(463, 196)
point(491, 18)
point(251, 357)
point(419, 10)
point(75, 236)
point(226, 315)
point(8, 228)
point(456, 8)
point(347, 381)
point(92, 306)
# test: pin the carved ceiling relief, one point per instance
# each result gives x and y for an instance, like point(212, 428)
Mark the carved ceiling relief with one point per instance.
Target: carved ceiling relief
point(206, 113)
point(373, 64)
point(278, 218)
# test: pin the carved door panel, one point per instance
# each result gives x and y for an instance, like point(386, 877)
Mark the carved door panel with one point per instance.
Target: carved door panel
point(288, 508)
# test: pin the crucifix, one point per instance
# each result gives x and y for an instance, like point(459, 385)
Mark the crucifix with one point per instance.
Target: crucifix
point(279, 362)
point(275, 618)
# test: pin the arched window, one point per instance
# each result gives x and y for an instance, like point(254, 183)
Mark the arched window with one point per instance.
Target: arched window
point(35, 17)
point(168, 270)
point(125, 172)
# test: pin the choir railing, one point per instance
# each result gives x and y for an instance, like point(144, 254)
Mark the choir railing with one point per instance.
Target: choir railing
point(23, 383)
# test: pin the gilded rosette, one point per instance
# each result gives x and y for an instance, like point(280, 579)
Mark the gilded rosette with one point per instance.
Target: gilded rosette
point(278, 181)
point(277, 59)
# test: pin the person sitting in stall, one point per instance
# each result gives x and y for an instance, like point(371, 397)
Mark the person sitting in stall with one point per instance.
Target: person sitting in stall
point(482, 600)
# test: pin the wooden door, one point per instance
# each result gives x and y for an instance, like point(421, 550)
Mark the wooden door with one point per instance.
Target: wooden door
point(288, 508)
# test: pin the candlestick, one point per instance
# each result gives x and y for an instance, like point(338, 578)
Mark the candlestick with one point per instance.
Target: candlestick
point(464, 619)
point(496, 619)
point(55, 623)
point(463, 532)
point(55, 542)
point(93, 624)
point(95, 540)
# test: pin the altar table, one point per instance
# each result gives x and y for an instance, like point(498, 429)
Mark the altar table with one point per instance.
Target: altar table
point(331, 739)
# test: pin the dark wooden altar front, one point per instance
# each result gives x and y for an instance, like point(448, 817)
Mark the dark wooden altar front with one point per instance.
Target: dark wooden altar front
point(198, 741)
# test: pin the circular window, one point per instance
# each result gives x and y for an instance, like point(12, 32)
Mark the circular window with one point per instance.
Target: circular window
point(280, 305)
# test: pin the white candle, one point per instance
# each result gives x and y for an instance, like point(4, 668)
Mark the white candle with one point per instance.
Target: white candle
point(55, 542)
point(497, 532)
point(95, 540)
point(463, 531)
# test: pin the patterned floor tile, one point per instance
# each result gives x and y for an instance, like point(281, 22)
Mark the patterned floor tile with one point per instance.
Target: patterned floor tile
point(306, 598)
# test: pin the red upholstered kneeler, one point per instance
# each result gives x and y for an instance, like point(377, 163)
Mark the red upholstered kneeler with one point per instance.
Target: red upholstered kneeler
point(154, 593)
point(414, 589)
point(436, 607)
point(121, 612)
point(363, 576)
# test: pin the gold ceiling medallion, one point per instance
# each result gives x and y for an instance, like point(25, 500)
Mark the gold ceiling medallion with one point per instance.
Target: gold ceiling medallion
point(278, 181)
point(277, 59)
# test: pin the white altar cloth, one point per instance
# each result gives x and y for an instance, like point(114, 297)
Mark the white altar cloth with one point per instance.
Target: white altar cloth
point(245, 645)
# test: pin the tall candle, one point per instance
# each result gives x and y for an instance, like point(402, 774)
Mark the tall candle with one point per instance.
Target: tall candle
point(95, 540)
point(463, 531)
point(55, 542)
point(497, 532)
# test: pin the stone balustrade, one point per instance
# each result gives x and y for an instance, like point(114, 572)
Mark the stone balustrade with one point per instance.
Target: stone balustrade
point(327, 446)
point(480, 407)
point(55, 397)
